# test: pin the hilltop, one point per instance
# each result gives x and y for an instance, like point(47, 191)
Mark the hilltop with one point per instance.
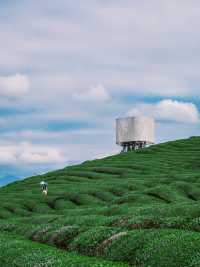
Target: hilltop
point(139, 209)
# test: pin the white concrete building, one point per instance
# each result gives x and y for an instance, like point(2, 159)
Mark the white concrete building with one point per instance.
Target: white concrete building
point(135, 132)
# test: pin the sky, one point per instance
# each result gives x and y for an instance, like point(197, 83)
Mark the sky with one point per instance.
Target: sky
point(68, 69)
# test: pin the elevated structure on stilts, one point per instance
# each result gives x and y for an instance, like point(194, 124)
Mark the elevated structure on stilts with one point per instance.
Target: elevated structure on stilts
point(135, 132)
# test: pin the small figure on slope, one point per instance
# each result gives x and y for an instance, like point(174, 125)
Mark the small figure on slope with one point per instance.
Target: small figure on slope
point(44, 186)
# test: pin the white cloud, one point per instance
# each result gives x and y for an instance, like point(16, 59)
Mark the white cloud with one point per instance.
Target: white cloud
point(15, 85)
point(40, 154)
point(95, 93)
point(7, 154)
point(168, 110)
point(73, 145)
point(27, 153)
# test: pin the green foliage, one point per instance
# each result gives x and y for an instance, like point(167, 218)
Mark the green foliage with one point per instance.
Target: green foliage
point(174, 249)
point(63, 236)
point(18, 252)
point(139, 207)
point(88, 242)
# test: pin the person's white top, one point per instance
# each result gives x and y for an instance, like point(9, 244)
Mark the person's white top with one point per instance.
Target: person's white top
point(43, 183)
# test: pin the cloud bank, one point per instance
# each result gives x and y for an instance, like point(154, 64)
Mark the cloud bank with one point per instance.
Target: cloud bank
point(95, 94)
point(27, 153)
point(14, 86)
point(168, 110)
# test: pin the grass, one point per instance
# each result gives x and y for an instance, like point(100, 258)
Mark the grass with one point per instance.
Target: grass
point(139, 209)
point(17, 252)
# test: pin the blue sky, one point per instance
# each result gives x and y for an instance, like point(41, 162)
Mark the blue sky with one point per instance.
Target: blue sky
point(69, 68)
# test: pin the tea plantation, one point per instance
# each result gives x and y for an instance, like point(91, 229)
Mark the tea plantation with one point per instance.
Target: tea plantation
point(138, 209)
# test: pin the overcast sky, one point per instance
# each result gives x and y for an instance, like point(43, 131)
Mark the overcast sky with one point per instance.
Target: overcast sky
point(69, 68)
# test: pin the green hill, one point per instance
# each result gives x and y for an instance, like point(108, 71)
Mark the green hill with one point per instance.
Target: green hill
point(137, 209)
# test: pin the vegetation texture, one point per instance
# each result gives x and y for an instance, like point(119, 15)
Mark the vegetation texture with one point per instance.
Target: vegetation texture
point(137, 209)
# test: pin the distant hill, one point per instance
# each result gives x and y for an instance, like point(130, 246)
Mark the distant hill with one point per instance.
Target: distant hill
point(10, 174)
point(140, 208)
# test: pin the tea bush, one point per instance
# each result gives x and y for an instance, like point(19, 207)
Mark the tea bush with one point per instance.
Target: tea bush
point(140, 207)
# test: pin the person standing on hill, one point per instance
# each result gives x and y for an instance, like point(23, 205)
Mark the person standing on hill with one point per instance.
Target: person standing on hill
point(44, 186)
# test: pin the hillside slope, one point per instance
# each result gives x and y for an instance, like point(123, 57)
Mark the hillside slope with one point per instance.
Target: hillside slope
point(141, 208)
